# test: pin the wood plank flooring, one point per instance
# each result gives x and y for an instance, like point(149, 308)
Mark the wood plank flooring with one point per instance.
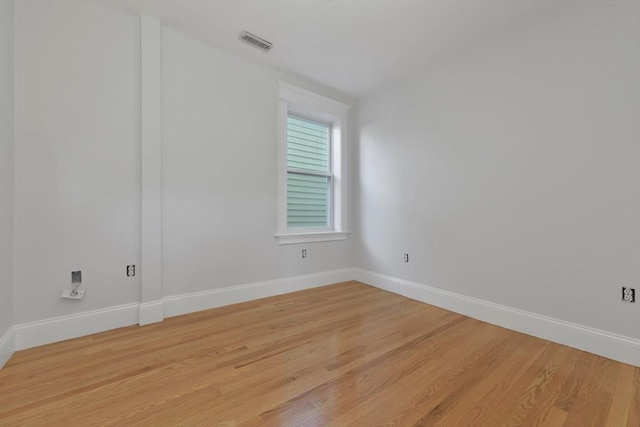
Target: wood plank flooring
point(342, 355)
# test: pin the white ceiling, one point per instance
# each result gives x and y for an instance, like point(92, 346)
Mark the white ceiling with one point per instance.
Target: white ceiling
point(354, 46)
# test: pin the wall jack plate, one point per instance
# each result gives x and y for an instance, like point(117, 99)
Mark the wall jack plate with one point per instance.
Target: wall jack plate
point(628, 294)
point(67, 294)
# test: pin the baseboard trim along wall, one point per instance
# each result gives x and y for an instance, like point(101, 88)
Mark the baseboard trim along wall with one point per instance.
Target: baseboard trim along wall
point(198, 301)
point(32, 334)
point(27, 335)
point(612, 346)
point(62, 328)
point(151, 312)
point(7, 345)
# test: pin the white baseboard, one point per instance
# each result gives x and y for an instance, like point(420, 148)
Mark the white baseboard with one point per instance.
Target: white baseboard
point(7, 345)
point(151, 312)
point(62, 328)
point(612, 346)
point(198, 301)
point(19, 337)
point(32, 334)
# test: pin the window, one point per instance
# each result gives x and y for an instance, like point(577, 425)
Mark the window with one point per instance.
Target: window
point(312, 158)
point(308, 173)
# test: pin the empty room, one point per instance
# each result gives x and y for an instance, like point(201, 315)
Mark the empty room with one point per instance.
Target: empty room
point(320, 213)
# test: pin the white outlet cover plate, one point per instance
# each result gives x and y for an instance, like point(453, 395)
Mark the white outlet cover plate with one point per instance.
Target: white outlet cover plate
point(67, 294)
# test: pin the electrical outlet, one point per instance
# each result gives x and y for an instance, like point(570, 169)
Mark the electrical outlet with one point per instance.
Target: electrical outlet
point(304, 253)
point(628, 294)
point(131, 270)
point(406, 258)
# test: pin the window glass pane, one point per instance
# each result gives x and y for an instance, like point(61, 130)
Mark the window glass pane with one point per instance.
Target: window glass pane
point(307, 200)
point(307, 145)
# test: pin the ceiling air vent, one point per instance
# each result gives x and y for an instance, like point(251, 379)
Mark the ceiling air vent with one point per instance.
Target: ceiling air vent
point(256, 41)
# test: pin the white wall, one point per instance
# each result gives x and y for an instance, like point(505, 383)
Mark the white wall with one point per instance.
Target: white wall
point(77, 165)
point(6, 167)
point(77, 156)
point(219, 174)
point(512, 174)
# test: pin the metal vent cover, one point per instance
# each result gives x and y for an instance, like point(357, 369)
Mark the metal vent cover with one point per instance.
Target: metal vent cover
point(255, 41)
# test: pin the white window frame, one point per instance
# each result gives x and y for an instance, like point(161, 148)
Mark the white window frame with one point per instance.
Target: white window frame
point(300, 102)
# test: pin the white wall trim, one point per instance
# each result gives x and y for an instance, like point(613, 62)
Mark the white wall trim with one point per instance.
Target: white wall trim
point(151, 312)
point(311, 105)
point(7, 345)
point(321, 236)
point(151, 159)
point(198, 301)
point(613, 346)
point(33, 334)
point(62, 328)
point(299, 96)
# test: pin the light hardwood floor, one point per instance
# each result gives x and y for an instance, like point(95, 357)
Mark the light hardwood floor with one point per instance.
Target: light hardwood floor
point(341, 355)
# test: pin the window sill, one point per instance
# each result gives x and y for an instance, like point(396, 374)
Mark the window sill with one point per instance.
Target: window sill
point(310, 237)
